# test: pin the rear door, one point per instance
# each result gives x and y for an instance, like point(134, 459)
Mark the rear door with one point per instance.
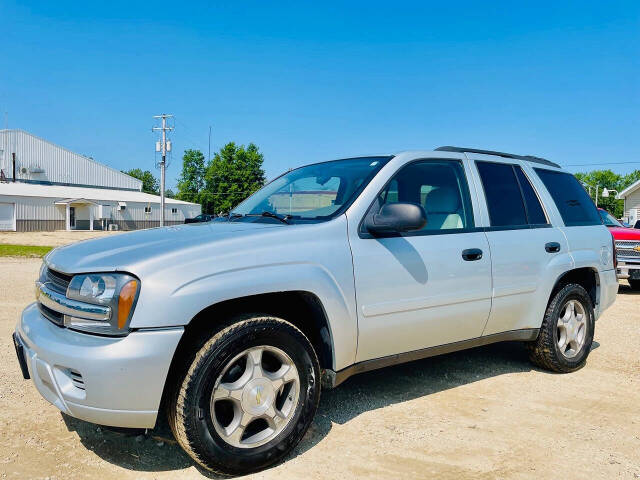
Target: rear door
point(7, 217)
point(526, 249)
point(589, 240)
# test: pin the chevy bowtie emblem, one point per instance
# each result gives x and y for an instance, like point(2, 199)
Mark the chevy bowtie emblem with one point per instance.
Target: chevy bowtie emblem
point(258, 396)
point(636, 248)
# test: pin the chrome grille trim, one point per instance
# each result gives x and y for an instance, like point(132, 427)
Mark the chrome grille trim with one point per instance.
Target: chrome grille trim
point(61, 304)
point(626, 248)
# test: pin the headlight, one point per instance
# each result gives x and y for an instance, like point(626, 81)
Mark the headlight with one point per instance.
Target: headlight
point(118, 291)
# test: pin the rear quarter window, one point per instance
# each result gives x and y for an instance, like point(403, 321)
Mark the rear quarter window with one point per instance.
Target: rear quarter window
point(573, 202)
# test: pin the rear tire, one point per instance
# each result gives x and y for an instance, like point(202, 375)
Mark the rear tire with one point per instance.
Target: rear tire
point(634, 284)
point(566, 333)
point(247, 397)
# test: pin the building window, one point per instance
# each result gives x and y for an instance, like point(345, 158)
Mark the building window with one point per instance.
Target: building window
point(174, 210)
point(147, 209)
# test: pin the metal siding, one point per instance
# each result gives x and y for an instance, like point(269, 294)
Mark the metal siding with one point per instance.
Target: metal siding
point(59, 164)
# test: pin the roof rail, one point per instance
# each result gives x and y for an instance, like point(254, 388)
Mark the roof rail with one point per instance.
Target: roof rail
point(528, 158)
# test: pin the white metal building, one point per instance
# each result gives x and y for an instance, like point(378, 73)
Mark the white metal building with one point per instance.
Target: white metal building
point(631, 197)
point(47, 187)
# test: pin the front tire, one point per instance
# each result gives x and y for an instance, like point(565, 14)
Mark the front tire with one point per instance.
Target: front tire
point(248, 396)
point(566, 333)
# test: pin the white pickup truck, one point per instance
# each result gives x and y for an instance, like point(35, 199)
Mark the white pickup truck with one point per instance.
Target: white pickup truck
point(234, 326)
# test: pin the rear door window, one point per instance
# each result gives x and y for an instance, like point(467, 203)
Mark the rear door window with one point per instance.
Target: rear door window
point(573, 202)
point(511, 199)
point(535, 212)
point(503, 195)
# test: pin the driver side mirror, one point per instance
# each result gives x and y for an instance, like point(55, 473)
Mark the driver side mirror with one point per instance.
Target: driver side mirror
point(397, 217)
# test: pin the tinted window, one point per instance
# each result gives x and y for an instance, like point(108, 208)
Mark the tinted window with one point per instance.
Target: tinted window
point(535, 213)
point(609, 220)
point(502, 192)
point(439, 186)
point(573, 202)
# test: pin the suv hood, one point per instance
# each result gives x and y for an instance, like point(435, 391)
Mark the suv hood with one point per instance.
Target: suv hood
point(124, 251)
point(621, 233)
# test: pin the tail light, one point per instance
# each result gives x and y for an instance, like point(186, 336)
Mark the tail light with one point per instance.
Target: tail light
point(615, 253)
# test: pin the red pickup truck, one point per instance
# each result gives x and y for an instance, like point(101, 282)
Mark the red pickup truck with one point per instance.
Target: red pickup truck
point(627, 248)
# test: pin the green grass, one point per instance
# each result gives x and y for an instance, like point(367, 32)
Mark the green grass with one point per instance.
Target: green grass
point(23, 250)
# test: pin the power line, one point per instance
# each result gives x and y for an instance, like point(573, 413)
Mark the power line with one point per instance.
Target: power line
point(601, 163)
point(193, 142)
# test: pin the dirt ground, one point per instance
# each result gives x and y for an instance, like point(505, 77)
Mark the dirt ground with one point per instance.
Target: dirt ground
point(52, 239)
point(484, 413)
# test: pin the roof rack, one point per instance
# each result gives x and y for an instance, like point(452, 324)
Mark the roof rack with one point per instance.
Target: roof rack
point(528, 158)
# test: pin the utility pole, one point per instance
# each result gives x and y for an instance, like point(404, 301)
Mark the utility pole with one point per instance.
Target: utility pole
point(164, 147)
point(209, 155)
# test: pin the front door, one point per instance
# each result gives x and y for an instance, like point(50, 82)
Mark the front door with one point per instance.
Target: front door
point(429, 287)
point(72, 217)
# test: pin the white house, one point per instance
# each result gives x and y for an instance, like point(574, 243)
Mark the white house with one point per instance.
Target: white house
point(631, 197)
point(47, 187)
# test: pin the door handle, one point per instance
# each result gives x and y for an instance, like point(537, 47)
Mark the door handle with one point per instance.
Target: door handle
point(471, 254)
point(552, 247)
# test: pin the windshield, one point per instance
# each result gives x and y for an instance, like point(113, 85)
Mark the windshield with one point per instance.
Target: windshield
point(313, 193)
point(609, 220)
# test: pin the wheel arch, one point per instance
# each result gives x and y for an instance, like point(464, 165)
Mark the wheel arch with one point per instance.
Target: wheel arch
point(301, 308)
point(587, 277)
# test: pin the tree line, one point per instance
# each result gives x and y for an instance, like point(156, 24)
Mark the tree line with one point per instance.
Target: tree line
point(234, 173)
point(611, 181)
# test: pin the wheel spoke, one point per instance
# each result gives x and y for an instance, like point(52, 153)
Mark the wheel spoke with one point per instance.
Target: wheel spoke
point(254, 362)
point(284, 375)
point(236, 429)
point(221, 392)
point(273, 417)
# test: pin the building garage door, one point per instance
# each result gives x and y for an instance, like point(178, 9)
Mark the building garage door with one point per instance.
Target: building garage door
point(7, 216)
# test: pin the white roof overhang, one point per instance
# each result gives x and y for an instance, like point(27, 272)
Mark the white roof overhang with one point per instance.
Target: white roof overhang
point(70, 201)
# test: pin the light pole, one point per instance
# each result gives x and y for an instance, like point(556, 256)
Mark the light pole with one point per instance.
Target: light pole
point(590, 187)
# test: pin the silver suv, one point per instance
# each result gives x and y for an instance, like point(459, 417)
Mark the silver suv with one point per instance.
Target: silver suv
point(331, 269)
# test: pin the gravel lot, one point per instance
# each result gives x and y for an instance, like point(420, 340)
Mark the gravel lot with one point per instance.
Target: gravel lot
point(484, 413)
point(51, 239)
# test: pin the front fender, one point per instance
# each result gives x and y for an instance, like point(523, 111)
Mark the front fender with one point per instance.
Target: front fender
point(179, 305)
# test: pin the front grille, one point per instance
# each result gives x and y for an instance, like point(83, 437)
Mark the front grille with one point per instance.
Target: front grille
point(625, 248)
point(58, 281)
point(51, 315)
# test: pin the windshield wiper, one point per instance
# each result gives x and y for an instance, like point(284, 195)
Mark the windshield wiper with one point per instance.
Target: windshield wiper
point(282, 218)
point(266, 213)
point(233, 215)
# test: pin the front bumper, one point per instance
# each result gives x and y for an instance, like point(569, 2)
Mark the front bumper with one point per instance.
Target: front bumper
point(627, 269)
point(104, 380)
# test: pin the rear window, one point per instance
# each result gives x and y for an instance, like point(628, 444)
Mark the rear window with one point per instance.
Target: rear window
point(572, 200)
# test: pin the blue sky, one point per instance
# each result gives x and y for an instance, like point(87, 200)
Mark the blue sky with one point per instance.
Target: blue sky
point(310, 81)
